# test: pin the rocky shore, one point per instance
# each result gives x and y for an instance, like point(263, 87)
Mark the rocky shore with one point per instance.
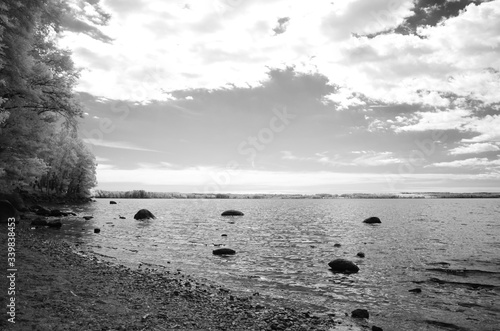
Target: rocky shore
point(61, 286)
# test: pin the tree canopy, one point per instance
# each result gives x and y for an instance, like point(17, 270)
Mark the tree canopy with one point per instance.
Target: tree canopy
point(40, 149)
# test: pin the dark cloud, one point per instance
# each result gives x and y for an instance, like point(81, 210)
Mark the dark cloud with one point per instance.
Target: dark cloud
point(80, 20)
point(282, 25)
point(75, 25)
point(431, 13)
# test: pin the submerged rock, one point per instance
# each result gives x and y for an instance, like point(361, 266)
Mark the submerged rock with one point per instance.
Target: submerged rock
point(59, 213)
point(54, 223)
point(223, 251)
point(143, 214)
point(232, 212)
point(39, 222)
point(39, 210)
point(7, 211)
point(343, 266)
point(372, 220)
point(360, 313)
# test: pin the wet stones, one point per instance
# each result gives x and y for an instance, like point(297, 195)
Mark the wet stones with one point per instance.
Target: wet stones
point(143, 214)
point(343, 266)
point(39, 210)
point(223, 251)
point(372, 220)
point(232, 212)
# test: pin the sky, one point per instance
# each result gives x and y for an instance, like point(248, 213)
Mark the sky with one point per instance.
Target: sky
point(280, 96)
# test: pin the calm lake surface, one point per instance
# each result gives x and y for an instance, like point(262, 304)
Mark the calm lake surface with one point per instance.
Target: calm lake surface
point(450, 248)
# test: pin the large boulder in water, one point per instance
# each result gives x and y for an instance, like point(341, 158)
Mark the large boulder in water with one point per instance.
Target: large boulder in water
point(224, 251)
point(143, 214)
point(343, 266)
point(372, 220)
point(232, 212)
point(360, 313)
point(7, 211)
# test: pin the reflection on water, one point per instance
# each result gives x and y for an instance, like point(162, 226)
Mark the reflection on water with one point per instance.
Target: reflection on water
point(448, 248)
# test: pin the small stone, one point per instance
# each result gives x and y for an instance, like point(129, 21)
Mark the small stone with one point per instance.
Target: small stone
point(337, 245)
point(112, 202)
point(224, 251)
point(97, 230)
point(376, 328)
point(232, 212)
point(415, 290)
point(360, 254)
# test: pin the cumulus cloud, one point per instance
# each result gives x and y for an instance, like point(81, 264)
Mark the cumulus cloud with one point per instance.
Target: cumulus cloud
point(440, 120)
point(474, 149)
point(488, 128)
point(365, 17)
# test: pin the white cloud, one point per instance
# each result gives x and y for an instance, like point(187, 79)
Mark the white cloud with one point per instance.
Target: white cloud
point(488, 128)
point(366, 159)
point(474, 149)
point(439, 120)
point(101, 159)
point(469, 163)
point(365, 17)
point(163, 46)
point(118, 144)
point(372, 159)
point(345, 98)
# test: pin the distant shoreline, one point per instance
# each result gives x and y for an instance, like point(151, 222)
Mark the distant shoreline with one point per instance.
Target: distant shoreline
point(140, 194)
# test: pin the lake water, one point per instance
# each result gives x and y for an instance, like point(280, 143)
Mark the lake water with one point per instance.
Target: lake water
point(450, 248)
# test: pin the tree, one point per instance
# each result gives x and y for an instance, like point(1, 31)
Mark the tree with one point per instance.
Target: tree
point(39, 144)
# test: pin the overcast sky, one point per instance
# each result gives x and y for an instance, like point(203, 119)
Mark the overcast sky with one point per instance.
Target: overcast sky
point(293, 96)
